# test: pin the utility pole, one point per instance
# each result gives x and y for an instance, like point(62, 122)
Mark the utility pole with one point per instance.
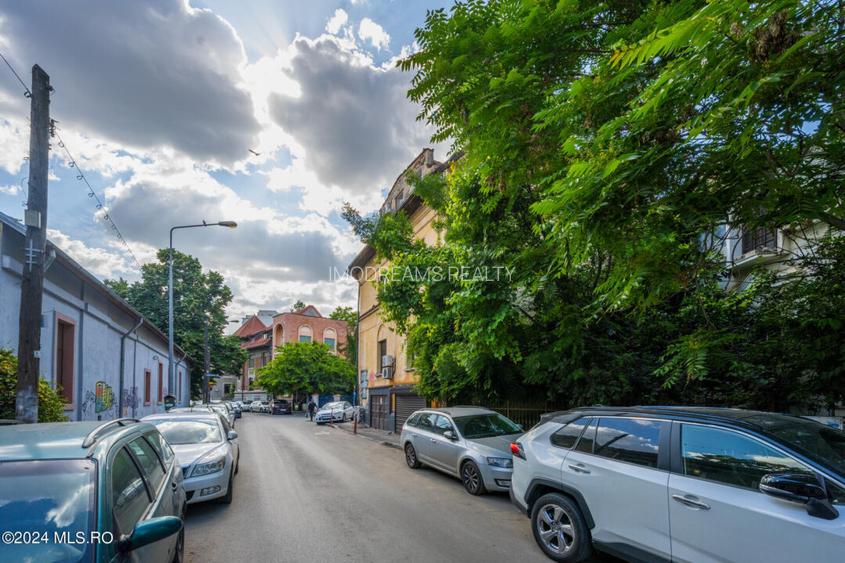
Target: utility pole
point(32, 278)
point(205, 391)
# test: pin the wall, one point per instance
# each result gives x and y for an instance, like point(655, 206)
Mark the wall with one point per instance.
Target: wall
point(291, 322)
point(98, 325)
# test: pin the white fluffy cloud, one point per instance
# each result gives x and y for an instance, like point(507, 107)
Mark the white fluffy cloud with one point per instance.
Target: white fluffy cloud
point(105, 263)
point(145, 74)
point(368, 30)
point(337, 21)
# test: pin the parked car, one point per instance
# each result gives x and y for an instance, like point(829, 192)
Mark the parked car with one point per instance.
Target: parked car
point(119, 479)
point(265, 407)
point(683, 483)
point(281, 406)
point(236, 408)
point(255, 406)
point(338, 411)
point(224, 410)
point(207, 449)
point(470, 443)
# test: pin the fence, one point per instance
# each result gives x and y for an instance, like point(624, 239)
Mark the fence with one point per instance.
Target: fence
point(526, 414)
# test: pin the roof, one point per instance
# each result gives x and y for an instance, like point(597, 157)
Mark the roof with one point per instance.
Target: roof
point(263, 341)
point(65, 259)
point(250, 327)
point(199, 414)
point(461, 411)
point(54, 440)
point(307, 311)
point(751, 419)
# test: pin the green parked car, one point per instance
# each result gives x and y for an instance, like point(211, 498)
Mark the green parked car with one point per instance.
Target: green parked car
point(89, 491)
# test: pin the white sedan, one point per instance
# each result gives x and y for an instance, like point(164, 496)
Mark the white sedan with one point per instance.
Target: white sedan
point(207, 450)
point(338, 411)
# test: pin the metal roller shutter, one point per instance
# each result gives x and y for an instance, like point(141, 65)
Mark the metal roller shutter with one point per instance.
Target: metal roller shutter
point(405, 407)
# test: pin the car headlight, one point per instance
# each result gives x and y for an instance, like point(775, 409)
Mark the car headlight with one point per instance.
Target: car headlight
point(505, 462)
point(208, 467)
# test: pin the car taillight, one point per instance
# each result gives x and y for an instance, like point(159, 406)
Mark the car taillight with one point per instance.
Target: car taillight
point(516, 449)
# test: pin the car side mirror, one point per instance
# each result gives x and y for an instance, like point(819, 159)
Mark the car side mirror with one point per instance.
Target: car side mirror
point(450, 435)
point(801, 488)
point(232, 435)
point(150, 531)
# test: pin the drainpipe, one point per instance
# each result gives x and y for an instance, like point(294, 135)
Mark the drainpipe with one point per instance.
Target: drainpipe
point(123, 365)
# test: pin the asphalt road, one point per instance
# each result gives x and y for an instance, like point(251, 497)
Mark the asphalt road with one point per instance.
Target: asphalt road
point(309, 493)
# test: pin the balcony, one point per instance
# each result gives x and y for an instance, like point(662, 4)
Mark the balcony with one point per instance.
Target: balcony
point(758, 246)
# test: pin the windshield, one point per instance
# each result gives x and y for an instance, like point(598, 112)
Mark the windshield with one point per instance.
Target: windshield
point(823, 443)
point(330, 406)
point(55, 497)
point(180, 432)
point(485, 426)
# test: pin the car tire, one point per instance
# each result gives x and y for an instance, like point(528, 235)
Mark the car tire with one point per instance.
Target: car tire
point(230, 491)
point(411, 457)
point(560, 529)
point(238, 463)
point(472, 479)
point(179, 556)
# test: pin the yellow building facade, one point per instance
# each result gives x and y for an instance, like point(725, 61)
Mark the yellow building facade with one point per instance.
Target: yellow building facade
point(386, 378)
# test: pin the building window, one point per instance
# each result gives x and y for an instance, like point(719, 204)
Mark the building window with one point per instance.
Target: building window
point(759, 238)
point(251, 362)
point(382, 352)
point(160, 381)
point(65, 359)
point(330, 339)
point(148, 381)
point(305, 333)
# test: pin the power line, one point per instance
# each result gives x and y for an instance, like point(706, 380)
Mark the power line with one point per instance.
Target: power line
point(80, 175)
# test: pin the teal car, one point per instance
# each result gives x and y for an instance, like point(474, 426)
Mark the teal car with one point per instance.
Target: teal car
point(89, 491)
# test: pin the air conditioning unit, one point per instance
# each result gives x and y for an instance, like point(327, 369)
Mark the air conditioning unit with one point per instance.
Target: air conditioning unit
point(387, 373)
point(388, 361)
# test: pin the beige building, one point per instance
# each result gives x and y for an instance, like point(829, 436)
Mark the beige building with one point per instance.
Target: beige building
point(386, 376)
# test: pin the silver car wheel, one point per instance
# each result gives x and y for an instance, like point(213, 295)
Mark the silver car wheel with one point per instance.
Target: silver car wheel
point(555, 529)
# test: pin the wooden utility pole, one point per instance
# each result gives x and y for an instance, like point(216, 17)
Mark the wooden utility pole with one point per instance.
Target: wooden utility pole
point(32, 279)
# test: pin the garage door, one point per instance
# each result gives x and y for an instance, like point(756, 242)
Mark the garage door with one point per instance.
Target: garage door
point(378, 411)
point(405, 407)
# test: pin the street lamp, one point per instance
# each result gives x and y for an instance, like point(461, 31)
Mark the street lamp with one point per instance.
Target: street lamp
point(170, 365)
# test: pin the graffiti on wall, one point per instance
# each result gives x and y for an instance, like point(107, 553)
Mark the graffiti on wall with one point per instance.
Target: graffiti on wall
point(104, 397)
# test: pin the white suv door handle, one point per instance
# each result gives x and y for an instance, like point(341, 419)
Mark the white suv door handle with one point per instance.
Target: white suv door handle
point(691, 501)
point(578, 468)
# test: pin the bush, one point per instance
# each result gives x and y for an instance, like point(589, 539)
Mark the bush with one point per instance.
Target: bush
point(50, 404)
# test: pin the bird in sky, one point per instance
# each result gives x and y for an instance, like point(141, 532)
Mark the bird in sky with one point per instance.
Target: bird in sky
point(255, 153)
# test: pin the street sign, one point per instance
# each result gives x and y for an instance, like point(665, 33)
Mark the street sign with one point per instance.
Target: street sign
point(169, 402)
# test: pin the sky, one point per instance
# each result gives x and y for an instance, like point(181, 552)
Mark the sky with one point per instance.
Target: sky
point(159, 102)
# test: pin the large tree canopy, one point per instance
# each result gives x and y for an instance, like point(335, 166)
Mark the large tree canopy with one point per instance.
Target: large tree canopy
point(306, 367)
point(199, 300)
point(605, 144)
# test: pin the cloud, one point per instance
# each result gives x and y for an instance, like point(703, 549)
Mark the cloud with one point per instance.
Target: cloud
point(11, 189)
point(337, 21)
point(102, 262)
point(355, 129)
point(368, 30)
point(143, 74)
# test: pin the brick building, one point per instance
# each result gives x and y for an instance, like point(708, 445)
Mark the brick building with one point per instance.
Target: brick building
point(308, 325)
point(255, 333)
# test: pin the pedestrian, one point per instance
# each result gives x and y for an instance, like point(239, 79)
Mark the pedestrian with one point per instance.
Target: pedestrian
point(311, 408)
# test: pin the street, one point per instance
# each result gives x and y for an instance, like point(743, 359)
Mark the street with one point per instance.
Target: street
point(307, 492)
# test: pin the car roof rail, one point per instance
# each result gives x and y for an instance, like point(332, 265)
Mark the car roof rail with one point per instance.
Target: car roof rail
point(92, 436)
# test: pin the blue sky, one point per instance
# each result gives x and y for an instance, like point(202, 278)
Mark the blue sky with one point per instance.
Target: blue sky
point(160, 102)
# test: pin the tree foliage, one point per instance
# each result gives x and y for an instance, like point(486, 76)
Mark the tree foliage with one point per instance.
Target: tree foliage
point(602, 142)
point(350, 349)
point(306, 367)
point(50, 404)
point(199, 299)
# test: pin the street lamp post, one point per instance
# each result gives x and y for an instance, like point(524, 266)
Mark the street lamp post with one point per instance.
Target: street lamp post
point(170, 365)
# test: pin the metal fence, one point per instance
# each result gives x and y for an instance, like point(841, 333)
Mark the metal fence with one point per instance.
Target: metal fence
point(526, 414)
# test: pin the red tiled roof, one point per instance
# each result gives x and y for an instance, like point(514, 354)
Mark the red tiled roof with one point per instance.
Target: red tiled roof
point(265, 341)
point(250, 327)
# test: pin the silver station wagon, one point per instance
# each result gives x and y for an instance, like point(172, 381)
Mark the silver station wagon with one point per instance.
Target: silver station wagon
point(470, 443)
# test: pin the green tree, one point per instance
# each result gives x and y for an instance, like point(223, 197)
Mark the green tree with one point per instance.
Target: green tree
point(199, 299)
point(350, 350)
point(306, 367)
point(298, 306)
point(601, 142)
point(50, 404)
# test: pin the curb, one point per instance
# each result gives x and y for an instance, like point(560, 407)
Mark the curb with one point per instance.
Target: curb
point(387, 443)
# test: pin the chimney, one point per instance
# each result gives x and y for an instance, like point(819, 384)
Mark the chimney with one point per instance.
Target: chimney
point(429, 157)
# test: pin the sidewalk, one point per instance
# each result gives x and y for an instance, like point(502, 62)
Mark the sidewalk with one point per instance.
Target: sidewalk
point(387, 438)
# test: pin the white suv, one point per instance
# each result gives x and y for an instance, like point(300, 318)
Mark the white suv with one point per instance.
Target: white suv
point(683, 484)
